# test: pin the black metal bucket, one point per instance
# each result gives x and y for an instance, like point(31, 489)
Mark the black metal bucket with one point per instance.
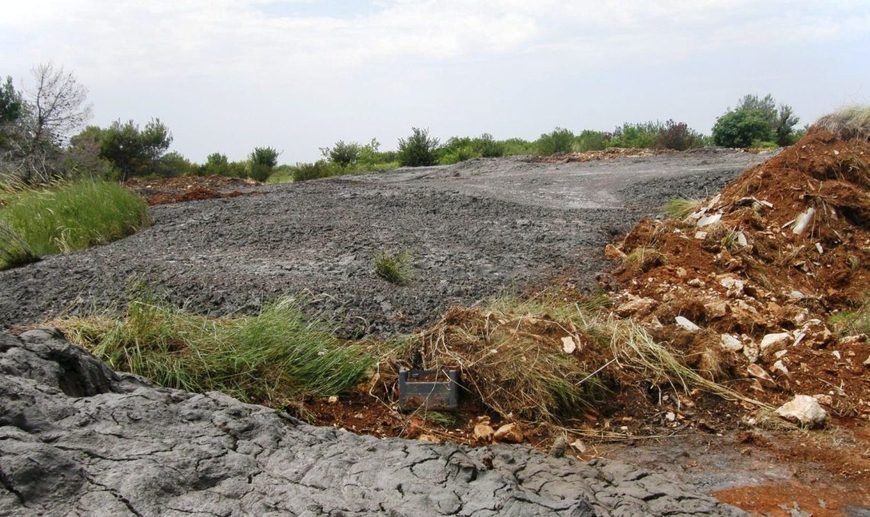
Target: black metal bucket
point(429, 390)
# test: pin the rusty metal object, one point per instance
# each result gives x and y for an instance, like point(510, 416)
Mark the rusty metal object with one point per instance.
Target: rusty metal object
point(428, 389)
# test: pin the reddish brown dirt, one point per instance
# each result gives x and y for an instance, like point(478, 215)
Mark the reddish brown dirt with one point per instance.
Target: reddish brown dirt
point(775, 282)
point(161, 191)
point(780, 500)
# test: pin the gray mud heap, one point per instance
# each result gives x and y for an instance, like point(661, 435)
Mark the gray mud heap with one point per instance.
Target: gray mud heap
point(77, 438)
point(475, 229)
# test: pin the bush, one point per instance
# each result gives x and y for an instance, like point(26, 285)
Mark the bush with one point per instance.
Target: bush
point(449, 157)
point(273, 358)
point(517, 146)
point(342, 154)
point(740, 129)
point(556, 142)
point(131, 150)
point(419, 149)
point(756, 120)
point(635, 136)
point(74, 216)
point(488, 147)
point(174, 164)
point(589, 140)
point(261, 161)
point(678, 136)
point(310, 171)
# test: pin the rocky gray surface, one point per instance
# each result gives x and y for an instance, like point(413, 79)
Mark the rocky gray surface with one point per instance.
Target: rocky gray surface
point(475, 229)
point(78, 438)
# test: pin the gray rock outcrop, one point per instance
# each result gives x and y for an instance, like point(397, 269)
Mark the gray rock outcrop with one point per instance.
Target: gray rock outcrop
point(78, 438)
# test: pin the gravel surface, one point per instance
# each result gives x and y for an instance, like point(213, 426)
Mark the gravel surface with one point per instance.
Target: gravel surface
point(79, 439)
point(475, 229)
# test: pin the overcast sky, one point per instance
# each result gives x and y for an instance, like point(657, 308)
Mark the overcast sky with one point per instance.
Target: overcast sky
point(227, 75)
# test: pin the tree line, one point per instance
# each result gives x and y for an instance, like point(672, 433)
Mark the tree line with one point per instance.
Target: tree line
point(41, 138)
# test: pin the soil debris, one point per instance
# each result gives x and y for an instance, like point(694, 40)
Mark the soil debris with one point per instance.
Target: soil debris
point(162, 191)
point(785, 248)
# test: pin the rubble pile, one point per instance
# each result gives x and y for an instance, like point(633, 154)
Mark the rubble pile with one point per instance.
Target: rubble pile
point(750, 284)
point(163, 191)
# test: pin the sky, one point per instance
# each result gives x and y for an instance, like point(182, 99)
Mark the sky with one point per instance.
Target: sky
point(297, 75)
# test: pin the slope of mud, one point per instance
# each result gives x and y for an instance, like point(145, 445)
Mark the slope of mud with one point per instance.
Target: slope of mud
point(77, 438)
point(475, 229)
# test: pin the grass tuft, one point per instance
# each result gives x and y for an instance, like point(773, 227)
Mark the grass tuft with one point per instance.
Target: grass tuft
point(73, 216)
point(680, 208)
point(14, 251)
point(512, 357)
point(395, 268)
point(850, 323)
point(272, 358)
point(849, 122)
point(644, 258)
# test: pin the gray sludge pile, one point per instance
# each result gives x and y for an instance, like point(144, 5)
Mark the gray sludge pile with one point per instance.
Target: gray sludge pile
point(78, 438)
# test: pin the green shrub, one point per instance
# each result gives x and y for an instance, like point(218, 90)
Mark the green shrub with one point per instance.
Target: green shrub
point(557, 141)
point(419, 149)
point(310, 171)
point(261, 162)
point(342, 154)
point(635, 136)
point(488, 147)
point(217, 164)
point(589, 140)
point(756, 119)
point(73, 216)
point(275, 357)
point(395, 268)
point(677, 136)
point(457, 155)
point(740, 129)
point(131, 150)
point(517, 146)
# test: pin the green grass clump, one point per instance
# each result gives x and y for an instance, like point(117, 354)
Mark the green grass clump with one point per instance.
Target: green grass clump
point(13, 250)
point(680, 208)
point(273, 358)
point(850, 323)
point(395, 268)
point(73, 216)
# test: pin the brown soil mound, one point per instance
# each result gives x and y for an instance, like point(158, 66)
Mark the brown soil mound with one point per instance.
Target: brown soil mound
point(163, 191)
point(760, 269)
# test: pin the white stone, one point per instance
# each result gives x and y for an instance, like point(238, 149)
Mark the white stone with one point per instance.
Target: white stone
point(750, 350)
point(774, 339)
point(686, 324)
point(732, 284)
point(730, 342)
point(741, 239)
point(804, 410)
point(759, 373)
point(796, 295)
point(568, 345)
point(780, 367)
point(708, 220)
point(670, 416)
point(700, 235)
